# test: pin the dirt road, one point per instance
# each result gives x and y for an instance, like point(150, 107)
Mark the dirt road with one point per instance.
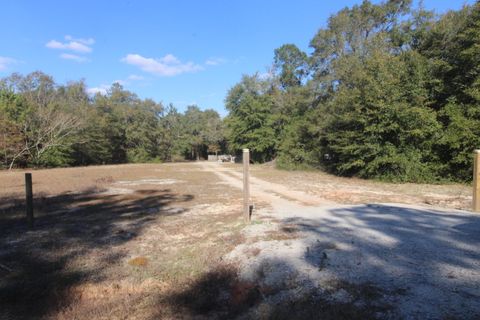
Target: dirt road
point(167, 241)
point(276, 194)
point(408, 262)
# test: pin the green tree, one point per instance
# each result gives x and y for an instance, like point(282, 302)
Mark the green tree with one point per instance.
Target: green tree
point(47, 127)
point(292, 65)
point(372, 130)
point(452, 48)
point(250, 123)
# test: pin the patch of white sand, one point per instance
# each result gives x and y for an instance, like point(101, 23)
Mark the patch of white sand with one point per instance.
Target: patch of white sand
point(425, 261)
point(147, 182)
point(115, 191)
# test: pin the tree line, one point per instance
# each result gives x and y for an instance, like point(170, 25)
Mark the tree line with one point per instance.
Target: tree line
point(44, 124)
point(389, 91)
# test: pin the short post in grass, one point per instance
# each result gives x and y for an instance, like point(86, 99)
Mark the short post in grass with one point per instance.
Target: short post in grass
point(246, 185)
point(476, 181)
point(29, 199)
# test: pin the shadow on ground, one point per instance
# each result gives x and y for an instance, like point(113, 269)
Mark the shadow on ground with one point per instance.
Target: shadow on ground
point(354, 262)
point(38, 267)
point(360, 262)
point(221, 294)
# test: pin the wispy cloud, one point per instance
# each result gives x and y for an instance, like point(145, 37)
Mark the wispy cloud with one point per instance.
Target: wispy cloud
point(72, 44)
point(215, 61)
point(5, 62)
point(89, 41)
point(102, 89)
point(167, 66)
point(120, 82)
point(135, 77)
point(74, 57)
point(129, 80)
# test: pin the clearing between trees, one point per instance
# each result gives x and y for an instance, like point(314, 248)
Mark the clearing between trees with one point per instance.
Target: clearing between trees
point(149, 241)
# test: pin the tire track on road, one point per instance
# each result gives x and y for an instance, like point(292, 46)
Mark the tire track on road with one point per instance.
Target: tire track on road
point(276, 194)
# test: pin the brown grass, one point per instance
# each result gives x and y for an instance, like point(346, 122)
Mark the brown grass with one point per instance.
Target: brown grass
point(138, 262)
point(220, 294)
point(77, 262)
point(360, 191)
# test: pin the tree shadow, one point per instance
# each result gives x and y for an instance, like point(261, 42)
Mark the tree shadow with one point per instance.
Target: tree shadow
point(222, 294)
point(38, 272)
point(359, 262)
point(427, 259)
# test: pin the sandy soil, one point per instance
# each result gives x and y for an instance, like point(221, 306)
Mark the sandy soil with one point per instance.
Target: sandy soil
point(424, 261)
point(358, 191)
point(111, 242)
point(167, 241)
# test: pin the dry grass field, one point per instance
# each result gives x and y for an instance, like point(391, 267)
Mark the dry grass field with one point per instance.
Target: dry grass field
point(107, 237)
point(149, 241)
point(357, 191)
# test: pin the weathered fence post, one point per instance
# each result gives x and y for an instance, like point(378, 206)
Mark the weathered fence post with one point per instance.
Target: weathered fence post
point(246, 185)
point(29, 199)
point(476, 181)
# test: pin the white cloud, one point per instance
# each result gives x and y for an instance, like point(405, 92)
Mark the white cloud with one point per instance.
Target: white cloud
point(72, 44)
point(167, 66)
point(5, 62)
point(215, 61)
point(88, 41)
point(131, 78)
point(102, 89)
point(135, 77)
point(170, 59)
point(120, 82)
point(74, 57)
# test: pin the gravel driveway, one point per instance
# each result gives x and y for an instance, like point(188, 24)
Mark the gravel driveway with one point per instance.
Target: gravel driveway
point(416, 262)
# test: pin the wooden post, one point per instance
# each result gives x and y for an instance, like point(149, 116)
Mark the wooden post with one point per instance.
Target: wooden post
point(29, 199)
point(246, 185)
point(476, 181)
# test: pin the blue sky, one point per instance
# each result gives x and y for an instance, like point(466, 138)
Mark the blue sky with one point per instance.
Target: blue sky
point(183, 52)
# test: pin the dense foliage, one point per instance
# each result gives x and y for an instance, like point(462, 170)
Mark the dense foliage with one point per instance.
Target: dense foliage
point(389, 92)
point(45, 124)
